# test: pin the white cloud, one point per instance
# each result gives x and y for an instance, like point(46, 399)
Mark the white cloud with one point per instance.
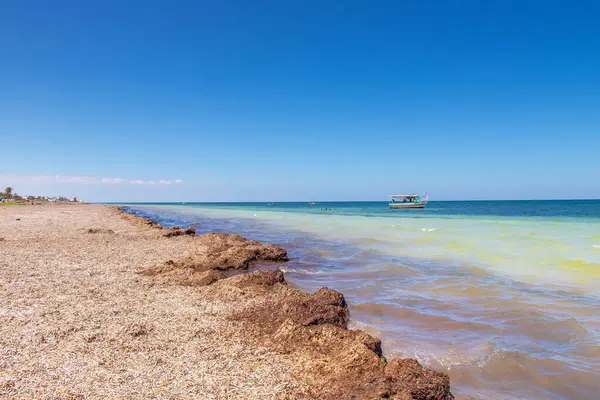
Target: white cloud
point(113, 180)
point(74, 179)
point(50, 179)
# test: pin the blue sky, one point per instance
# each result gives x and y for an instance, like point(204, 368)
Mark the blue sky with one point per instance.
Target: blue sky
point(300, 100)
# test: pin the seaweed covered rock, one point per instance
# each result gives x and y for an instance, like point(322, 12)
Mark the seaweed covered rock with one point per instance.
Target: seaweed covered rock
point(338, 362)
point(261, 278)
point(177, 231)
point(217, 253)
point(326, 306)
point(203, 279)
point(408, 376)
point(137, 219)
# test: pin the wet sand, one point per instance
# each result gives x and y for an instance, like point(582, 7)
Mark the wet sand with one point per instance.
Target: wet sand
point(98, 304)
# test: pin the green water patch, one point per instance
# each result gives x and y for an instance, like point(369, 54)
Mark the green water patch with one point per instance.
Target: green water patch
point(582, 267)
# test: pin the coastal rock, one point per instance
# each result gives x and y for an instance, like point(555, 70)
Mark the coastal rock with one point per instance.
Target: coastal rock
point(409, 376)
point(148, 222)
point(326, 306)
point(261, 278)
point(232, 251)
point(138, 220)
point(370, 342)
point(339, 363)
point(203, 278)
point(99, 230)
point(219, 253)
point(177, 231)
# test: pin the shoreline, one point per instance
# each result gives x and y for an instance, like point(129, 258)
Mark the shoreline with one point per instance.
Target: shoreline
point(298, 344)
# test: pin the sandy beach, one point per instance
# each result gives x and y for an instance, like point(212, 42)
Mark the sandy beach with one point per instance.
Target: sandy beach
point(96, 303)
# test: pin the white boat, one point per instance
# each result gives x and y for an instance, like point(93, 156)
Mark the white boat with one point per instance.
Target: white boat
point(408, 201)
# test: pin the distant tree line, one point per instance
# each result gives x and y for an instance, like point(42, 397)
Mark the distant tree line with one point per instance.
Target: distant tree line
point(10, 194)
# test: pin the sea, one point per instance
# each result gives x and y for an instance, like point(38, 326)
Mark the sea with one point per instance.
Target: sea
point(504, 296)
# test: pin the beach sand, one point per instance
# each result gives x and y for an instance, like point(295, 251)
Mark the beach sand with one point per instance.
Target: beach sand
point(96, 303)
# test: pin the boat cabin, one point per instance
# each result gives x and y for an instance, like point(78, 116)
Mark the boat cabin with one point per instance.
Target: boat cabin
point(405, 198)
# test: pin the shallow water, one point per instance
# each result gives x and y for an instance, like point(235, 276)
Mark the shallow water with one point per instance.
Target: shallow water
point(503, 296)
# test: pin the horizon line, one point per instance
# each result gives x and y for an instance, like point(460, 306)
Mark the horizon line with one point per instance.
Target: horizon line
point(327, 201)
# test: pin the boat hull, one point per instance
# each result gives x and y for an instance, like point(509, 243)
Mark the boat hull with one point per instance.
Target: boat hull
point(408, 205)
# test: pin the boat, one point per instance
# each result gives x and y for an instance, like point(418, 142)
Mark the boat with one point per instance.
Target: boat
point(408, 201)
point(312, 203)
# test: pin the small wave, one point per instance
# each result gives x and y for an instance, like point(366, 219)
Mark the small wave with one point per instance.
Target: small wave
point(300, 271)
point(428, 229)
point(448, 360)
point(596, 246)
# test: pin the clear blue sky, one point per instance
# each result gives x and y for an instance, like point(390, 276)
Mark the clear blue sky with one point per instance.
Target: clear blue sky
point(300, 100)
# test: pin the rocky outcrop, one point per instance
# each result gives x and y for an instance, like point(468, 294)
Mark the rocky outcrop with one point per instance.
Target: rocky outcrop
point(138, 220)
point(338, 362)
point(420, 383)
point(149, 223)
point(177, 231)
point(218, 253)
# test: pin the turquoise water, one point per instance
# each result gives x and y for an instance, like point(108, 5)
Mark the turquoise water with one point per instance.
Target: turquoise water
point(502, 295)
